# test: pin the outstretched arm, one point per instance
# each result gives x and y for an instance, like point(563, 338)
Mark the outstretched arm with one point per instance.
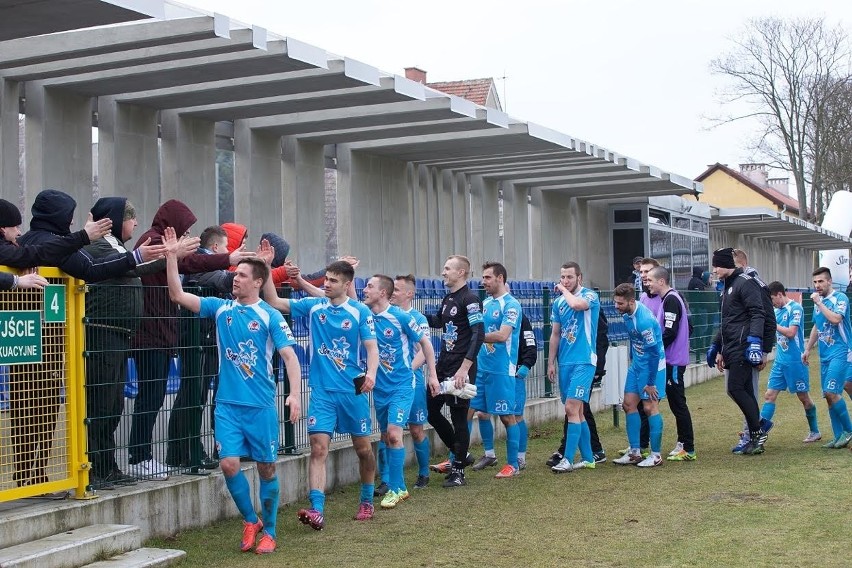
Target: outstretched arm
point(189, 301)
point(294, 375)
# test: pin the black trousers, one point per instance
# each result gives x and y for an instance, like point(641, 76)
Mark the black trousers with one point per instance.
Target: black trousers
point(739, 382)
point(676, 395)
point(106, 372)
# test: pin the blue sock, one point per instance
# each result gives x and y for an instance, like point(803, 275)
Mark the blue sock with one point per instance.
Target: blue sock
point(367, 490)
point(396, 457)
point(811, 415)
point(486, 432)
point(383, 462)
point(768, 410)
point(451, 456)
point(240, 491)
point(470, 427)
point(571, 441)
point(633, 424)
point(843, 419)
point(269, 503)
point(317, 499)
point(586, 443)
point(523, 436)
point(655, 428)
point(836, 429)
point(512, 445)
point(421, 450)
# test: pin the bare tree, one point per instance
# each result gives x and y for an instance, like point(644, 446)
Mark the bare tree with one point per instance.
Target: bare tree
point(785, 70)
point(829, 148)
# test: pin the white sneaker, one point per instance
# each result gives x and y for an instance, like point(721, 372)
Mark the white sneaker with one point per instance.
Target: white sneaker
point(522, 463)
point(564, 466)
point(677, 449)
point(651, 461)
point(149, 469)
point(812, 437)
point(628, 459)
point(585, 465)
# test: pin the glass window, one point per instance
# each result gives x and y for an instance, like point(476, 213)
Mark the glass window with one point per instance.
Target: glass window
point(701, 227)
point(657, 217)
point(661, 246)
point(627, 215)
point(681, 223)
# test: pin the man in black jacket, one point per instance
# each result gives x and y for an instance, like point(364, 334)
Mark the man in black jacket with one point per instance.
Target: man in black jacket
point(739, 346)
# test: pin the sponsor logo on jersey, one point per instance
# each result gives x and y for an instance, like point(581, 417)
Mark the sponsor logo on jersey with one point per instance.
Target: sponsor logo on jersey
point(244, 359)
point(387, 358)
point(512, 316)
point(473, 308)
point(450, 335)
point(826, 334)
point(337, 353)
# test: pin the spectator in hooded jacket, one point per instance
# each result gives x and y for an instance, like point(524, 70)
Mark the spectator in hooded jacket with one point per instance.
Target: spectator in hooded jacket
point(34, 397)
point(157, 338)
point(113, 314)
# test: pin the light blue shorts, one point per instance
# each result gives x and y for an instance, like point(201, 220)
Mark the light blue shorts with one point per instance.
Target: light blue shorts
point(791, 376)
point(394, 407)
point(633, 384)
point(520, 396)
point(247, 431)
point(419, 412)
point(833, 374)
point(495, 394)
point(342, 412)
point(575, 382)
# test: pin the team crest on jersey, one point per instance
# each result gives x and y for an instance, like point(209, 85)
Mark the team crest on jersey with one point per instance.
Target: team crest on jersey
point(244, 359)
point(228, 320)
point(254, 325)
point(495, 314)
point(387, 357)
point(450, 335)
point(322, 318)
point(337, 354)
point(312, 420)
point(346, 325)
point(388, 333)
point(453, 311)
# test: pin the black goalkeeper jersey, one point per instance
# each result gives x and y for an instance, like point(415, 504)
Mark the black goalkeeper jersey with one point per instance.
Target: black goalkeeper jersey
point(462, 332)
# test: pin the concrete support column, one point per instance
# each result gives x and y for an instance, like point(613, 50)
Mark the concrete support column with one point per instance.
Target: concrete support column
point(304, 202)
point(555, 233)
point(59, 145)
point(189, 166)
point(537, 270)
point(461, 215)
point(129, 157)
point(429, 194)
point(419, 187)
point(10, 173)
point(516, 231)
point(258, 185)
point(484, 224)
point(377, 212)
point(445, 190)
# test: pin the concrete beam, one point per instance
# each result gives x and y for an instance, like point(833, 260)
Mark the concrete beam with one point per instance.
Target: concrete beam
point(360, 134)
point(304, 196)
point(517, 157)
point(602, 171)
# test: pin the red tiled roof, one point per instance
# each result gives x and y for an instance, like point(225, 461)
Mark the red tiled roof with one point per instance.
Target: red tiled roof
point(474, 90)
point(770, 193)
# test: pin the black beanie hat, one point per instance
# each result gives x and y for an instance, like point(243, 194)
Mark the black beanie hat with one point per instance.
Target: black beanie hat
point(724, 258)
point(10, 215)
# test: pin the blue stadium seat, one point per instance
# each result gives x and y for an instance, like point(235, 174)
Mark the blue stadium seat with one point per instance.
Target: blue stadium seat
point(131, 384)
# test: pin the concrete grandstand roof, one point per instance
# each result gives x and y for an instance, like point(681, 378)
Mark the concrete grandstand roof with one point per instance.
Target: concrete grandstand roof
point(210, 67)
point(764, 223)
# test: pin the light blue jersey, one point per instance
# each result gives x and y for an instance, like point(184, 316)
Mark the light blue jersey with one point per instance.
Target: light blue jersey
point(646, 343)
point(336, 334)
point(500, 358)
point(578, 330)
point(790, 349)
point(246, 336)
point(396, 333)
point(833, 339)
point(423, 325)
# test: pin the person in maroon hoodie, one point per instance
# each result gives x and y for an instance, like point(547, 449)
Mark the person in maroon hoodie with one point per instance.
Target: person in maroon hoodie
point(157, 337)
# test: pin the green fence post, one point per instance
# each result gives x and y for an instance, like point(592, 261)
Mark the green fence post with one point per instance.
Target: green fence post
point(191, 371)
point(545, 334)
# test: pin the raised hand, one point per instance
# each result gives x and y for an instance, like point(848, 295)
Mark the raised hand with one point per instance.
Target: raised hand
point(32, 280)
point(293, 270)
point(352, 260)
point(266, 252)
point(170, 240)
point(188, 246)
point(151, 252)
point(97, 229)
point(241, 253)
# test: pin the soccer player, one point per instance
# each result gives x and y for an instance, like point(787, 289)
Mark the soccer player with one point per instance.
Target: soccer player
point(404, 288)
point(248, 329)
point(339, 326)
point(646, 376)
point(574, 317)
point(527, 356)
point(496, 363)
point(788, 371)
point(673, 319)
point(460, 322)
point(740, 342)
point(396, 335)
point(832, 329)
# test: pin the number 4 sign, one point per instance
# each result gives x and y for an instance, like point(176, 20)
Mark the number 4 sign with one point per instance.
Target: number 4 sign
point(54, 303)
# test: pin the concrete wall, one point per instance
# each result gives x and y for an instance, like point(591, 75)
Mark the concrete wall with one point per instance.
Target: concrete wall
point(792, 266)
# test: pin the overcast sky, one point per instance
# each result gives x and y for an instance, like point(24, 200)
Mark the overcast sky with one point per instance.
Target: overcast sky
point(631, 76)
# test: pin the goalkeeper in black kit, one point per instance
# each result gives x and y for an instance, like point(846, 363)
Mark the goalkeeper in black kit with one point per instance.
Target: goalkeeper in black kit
point(462, 332)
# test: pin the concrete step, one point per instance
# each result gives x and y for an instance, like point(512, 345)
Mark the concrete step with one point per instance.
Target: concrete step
point(141, 558)
point(72, 548)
